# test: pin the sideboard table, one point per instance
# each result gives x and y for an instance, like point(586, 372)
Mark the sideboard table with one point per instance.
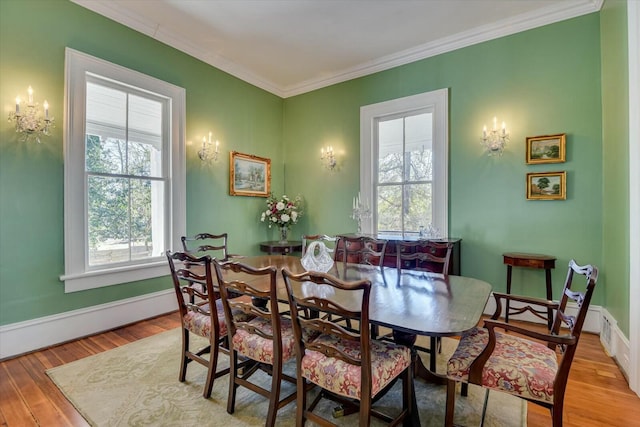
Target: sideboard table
point(275, 246)
point(546, 262)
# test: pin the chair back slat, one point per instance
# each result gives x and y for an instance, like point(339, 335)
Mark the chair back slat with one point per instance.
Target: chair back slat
point(187, 281)
point(207, 244)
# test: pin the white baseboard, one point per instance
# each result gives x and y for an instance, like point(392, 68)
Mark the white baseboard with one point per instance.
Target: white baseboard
point(597, 318)
point(23, 337)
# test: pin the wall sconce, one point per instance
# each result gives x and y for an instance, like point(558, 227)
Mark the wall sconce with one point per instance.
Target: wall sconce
point(328, 158)
point(30, 121)
point(495, 140)
point(209, 152)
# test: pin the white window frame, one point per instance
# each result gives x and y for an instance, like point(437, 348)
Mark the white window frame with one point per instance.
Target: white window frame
point(436, 102)
point(78, 276)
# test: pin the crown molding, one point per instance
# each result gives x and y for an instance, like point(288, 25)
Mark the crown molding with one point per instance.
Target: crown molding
point(555, 12)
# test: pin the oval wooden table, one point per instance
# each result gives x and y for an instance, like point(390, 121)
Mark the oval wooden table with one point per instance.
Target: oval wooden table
point(407, 301)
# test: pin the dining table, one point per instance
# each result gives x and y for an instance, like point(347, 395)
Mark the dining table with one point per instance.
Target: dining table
point(409, 302)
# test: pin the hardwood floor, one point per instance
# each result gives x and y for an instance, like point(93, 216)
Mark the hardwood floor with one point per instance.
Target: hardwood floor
point(597, 393)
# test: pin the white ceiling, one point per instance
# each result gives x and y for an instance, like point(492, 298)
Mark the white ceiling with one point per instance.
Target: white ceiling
point(289, 47)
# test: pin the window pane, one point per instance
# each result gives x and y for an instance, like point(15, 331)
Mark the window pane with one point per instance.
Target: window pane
point(389, 208)
point(418, 144)
point(417, 209)
point(390, 163)
point(145, 137)
point(145, 195)
point(108, 200)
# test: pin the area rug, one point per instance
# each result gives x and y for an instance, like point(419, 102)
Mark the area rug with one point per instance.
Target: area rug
point(137, 385)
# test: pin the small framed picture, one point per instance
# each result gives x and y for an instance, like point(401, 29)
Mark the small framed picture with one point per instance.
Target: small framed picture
point(547, 186)
point(546, 149)
point(249, 175)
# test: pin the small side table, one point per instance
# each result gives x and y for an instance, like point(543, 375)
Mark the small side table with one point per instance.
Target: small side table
point(277, 247)
point(546, 262)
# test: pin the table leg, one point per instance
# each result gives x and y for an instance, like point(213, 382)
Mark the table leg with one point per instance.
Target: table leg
point(506, 313)
point(549, 298)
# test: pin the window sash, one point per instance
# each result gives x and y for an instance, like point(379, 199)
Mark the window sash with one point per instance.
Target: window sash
point(79, 69)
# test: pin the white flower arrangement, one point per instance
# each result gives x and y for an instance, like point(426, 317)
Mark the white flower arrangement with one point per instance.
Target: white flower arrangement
point(282, 212)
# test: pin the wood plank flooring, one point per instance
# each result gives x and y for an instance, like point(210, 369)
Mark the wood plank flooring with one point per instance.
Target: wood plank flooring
point(597, 393)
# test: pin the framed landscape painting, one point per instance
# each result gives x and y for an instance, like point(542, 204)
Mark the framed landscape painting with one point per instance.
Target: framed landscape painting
point(547, 186)
point(546, 149)
point(249, 175)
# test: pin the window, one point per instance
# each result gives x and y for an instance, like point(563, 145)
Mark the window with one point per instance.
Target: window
point(404, 164)
point(124, 173)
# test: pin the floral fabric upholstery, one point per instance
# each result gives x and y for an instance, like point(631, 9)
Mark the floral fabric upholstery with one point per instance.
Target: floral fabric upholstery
point(259, 348)
point(517, 365)
point(200, 324)
point(388, 360)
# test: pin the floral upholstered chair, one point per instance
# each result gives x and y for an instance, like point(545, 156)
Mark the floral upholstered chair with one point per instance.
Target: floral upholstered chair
point(257, 332)
point(193, 281)
point(531, 365)
point(349, 366)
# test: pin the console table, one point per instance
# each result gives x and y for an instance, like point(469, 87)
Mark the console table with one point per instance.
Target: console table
point(393, 239)
point(274, 246)
point(546, 262)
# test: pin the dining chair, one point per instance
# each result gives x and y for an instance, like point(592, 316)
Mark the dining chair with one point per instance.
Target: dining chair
point(360, 250)
point(208, 244)
point(425, 255)
point(525, 363)
point(193, 277)
point(257, 332)
point(348, 366)
point(308, 238)
point(431, 256)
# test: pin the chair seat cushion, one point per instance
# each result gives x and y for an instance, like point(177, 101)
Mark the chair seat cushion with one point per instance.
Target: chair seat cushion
point(259, 348)
point(388, 360)
point(200, 324)
point(517, 365)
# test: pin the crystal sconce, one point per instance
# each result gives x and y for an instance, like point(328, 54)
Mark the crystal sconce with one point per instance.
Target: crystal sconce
point(495, 140)
point(208, 152)
point(328, 158)
point(31, 121)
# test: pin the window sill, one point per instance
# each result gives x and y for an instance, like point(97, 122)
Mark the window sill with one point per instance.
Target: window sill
point(76, 282)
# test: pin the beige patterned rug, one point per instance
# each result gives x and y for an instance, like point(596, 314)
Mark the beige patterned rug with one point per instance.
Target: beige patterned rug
point(137, 385)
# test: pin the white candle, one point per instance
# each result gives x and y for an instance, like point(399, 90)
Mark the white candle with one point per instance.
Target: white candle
point(484, 131)
point(46, 109)
point(504, 128)
point(495, 123)
point(354, 203)
point(217, 145)
point(204, 142)
point(17, 105)
point(30, 91)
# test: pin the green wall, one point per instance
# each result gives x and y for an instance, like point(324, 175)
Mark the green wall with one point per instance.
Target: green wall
point(541, 81)
point(615, 154)
point(546, 80)
point(33, 36)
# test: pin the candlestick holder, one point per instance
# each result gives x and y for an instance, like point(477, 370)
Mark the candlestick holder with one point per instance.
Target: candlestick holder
point(360, 211)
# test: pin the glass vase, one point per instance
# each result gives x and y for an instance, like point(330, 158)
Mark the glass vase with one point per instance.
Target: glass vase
point(283, 234)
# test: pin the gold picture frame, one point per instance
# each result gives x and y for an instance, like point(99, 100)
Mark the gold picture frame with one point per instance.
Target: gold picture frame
point(547, 186)
point(546, 149)
point(249, 175)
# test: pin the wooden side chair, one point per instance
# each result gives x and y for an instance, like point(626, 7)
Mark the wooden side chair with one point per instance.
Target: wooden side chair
point(214, 245)
point(431, 256)
point(525, 365)
point(425, 255)
point(360, 250)
point(257, 332)
point(193, 277)
point(349, 366)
